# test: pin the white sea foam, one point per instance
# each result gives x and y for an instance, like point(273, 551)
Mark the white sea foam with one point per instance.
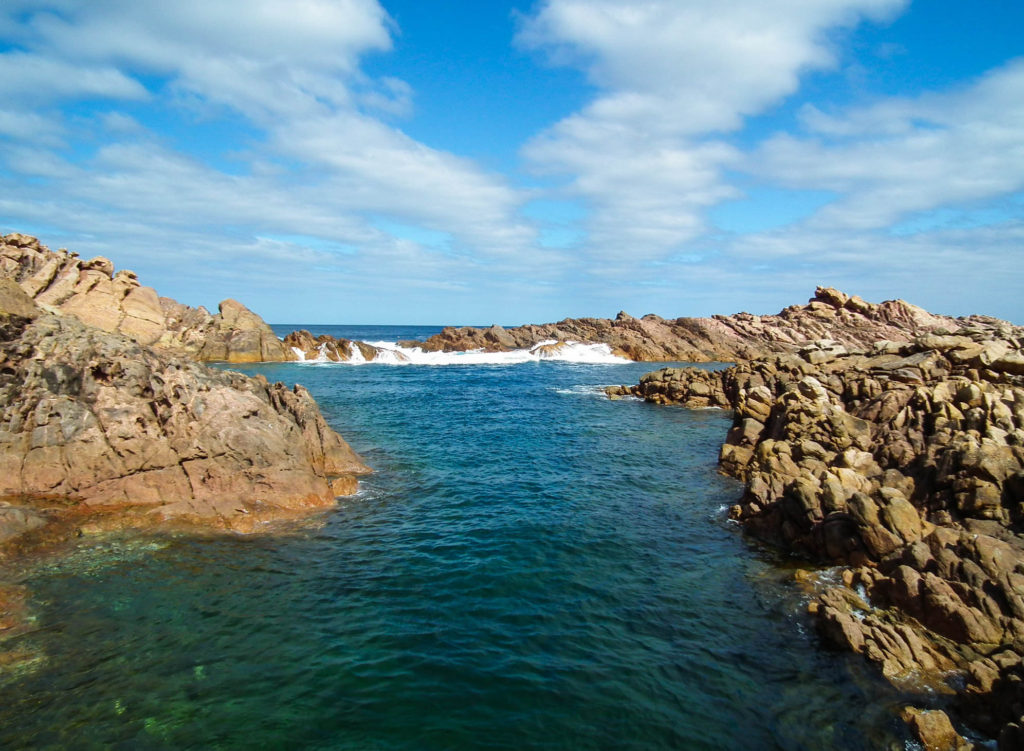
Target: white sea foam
point(355, 355)
point(582, 391)
point(390, 353)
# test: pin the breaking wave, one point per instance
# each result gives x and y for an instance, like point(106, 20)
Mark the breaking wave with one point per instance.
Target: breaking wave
point(390, 353)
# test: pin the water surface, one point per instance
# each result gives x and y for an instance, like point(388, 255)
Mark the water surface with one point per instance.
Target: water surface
point(532, 566)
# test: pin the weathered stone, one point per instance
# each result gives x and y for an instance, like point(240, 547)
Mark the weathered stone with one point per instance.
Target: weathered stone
point(14, 301)
point(900, 517)
point(862, 454)
point(98, 420)
point(933, 729)
point(118, 303)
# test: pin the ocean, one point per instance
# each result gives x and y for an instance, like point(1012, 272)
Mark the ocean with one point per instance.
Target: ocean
point(531, 566)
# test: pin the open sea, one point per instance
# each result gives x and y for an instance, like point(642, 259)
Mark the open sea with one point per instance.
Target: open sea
point(533, 566)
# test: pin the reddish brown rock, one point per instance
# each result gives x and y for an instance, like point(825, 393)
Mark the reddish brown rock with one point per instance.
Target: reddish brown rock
point(328, 348)
point(821, 331)
point(96, 421)
point(934, 731)
point(116, 302)
point(905, 460)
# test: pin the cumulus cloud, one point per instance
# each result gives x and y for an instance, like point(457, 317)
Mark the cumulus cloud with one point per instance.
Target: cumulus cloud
point(903, 156)
point(313, 157)
point(672, 77)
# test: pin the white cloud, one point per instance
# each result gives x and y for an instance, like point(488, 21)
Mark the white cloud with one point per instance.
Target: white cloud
point(903, 156)
point(317, 162)
point(34, 78)
point(379, 169)
point(670, 75)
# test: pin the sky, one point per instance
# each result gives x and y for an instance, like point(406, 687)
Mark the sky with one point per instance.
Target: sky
point(466, 162)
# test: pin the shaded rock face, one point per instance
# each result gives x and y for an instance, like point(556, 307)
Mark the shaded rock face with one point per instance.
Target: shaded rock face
point(94, 422)
point(830, 314)
point(905, 462)
point(116, 302)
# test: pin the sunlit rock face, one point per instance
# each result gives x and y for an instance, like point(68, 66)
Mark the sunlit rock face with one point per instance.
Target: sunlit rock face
point(94, 293)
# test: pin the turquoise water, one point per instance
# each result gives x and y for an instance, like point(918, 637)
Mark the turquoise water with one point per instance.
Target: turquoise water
point(532, 566)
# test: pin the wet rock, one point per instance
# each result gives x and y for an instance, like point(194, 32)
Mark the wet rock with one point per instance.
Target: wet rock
point(934, 731)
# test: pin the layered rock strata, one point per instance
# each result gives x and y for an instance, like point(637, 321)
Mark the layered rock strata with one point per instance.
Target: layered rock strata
point(116, 302)
point(94, 424)
point(830, 314)
point(905, 463)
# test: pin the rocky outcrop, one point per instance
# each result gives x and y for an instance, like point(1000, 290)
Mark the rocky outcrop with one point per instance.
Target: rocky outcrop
point(905, 462)
point(830, 314)
point(328, 348)
point(96, 426)
point(116, 302)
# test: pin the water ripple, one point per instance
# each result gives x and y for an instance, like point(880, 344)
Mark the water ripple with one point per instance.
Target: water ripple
point(532, 566)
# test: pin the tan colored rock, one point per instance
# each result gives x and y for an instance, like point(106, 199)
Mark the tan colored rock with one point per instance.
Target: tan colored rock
point(903, 456)
point(344, 485)
point(96, 420)
point(14, 301)
point(934, 731)
point(118, 303)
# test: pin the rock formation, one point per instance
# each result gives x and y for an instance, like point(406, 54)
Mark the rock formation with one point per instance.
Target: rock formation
point(107, 421)
point(904, 462)
point(327, 347)
point(116, 302)
point(94, 424)
point(830, 314)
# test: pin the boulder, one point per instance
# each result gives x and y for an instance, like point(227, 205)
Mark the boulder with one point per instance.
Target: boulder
point(98, 422)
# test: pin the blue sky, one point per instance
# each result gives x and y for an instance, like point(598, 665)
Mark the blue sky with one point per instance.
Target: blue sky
point(356, 161)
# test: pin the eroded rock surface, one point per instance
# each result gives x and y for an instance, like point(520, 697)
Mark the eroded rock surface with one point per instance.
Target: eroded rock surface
point(93, 422)
point(830, 314)
point(116, 302)
point(905, 462)
point(329, 348)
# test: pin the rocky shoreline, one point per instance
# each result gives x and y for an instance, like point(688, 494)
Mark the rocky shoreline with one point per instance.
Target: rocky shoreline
point(877, 437)
point(903, 462)
point(109, 420)
point(116, 302)
point(830, 314)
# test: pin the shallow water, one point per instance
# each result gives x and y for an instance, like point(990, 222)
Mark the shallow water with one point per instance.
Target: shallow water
point(532, 566)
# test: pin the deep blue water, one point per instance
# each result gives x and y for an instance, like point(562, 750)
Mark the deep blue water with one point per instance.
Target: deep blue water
point(532, 566)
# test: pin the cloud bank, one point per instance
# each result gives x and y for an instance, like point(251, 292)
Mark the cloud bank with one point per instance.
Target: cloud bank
point(245, 148)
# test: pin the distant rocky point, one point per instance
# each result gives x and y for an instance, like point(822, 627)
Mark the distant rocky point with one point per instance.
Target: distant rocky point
point(830, 314)
point(328, 348)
